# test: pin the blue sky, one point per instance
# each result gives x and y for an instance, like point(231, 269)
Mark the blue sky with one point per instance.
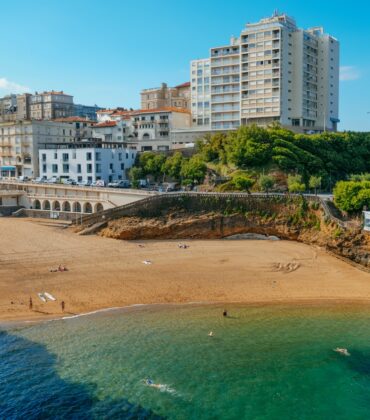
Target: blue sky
point(105, 52)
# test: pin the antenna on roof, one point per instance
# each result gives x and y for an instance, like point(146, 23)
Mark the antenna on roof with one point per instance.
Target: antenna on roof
point(276, 13)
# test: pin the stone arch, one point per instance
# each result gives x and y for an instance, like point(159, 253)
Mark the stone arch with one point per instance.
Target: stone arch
point(98, 207)
point(37, 205)
point(88, 208)
point(56, 206)
point(46, 205)
point(146, 136)
point(66, 206)
point(77, 207)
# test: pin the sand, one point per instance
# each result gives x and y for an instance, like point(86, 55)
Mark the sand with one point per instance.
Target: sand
point(106, 273)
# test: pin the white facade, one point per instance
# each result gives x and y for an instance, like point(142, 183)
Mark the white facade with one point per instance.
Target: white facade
point(86, 162)
point(274, 72)
point(200, 92)
point(142, 130)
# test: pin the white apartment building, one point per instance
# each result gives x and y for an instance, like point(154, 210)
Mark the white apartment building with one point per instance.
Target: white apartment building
point(142, 130)
point(19, 144)
point(274, 72)
point(200, 92)
point(86, 161)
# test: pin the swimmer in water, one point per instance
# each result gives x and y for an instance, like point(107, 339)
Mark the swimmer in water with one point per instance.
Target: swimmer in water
point(210, 334)
point(343, 351)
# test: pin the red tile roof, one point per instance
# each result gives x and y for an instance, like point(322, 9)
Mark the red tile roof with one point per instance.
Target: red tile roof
point(186, 84)
point(106, 124)
point(73, 119)
point(159, 110)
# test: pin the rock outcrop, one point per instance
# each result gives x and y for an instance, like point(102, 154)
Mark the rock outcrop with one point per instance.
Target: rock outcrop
point(307, 225)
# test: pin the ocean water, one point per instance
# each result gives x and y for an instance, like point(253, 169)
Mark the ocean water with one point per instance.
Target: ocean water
point(263, 362)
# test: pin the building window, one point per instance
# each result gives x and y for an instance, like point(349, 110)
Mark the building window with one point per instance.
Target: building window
point(119, 156)
point(65, 168)
point(55, 155)
point(79, 170)
point(44, 157)
point(98, 156)
point(88, 156)
point(122, 166)
point(98, 167)
point(89, 168)
point(65, 157)
point(44, 168)
point(54, 168)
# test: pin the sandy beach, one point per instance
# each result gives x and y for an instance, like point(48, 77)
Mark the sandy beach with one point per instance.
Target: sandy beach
point(104, 273)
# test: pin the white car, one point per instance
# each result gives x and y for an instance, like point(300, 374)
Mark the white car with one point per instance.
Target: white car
point(39, 180)
point(52, 180)
point(84, 183)
point(69, 181)
point(98, 183)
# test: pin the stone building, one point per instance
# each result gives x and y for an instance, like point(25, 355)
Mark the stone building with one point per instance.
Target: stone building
point(164, 96)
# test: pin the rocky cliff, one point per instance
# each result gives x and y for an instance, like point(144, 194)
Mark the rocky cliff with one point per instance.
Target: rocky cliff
point(303, 222)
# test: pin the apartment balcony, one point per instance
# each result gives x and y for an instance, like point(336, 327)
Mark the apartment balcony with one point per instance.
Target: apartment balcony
point(229, 117)
point(225, 90)
point(221, 83)
point(226, 108)
point(226, 100)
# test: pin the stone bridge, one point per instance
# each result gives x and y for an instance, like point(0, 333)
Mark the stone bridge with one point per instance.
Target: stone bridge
point(70, 198)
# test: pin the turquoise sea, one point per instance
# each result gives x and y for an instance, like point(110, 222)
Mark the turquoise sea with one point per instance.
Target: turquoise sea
point(263, 362)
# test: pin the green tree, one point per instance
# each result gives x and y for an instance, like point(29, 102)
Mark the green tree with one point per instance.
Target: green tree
point(314, 182)
point(243, 182)
point(295, 184)
point(248, 146)
point(172, 166)
point(266, 182)
point(194, 169)
point(135, 173)
point(151, 163)
point(352, 196)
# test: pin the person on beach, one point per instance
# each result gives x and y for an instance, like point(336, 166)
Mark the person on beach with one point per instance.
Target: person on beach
point(31, 304)
point(63, 305)
point(224, 313)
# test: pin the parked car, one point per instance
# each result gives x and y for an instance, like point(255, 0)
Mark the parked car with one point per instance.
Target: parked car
point(23, 178)
point(69, 181)
point(98, 183)
point(52, 180)
point(143, 183)
point(120, 184)
point(39, 180)
point(84, 183)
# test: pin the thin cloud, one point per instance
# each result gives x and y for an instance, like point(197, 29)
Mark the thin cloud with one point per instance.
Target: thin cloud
point(348, 73)
point(7, 86)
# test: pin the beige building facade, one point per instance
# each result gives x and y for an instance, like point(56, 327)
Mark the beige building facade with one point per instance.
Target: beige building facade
point(38, 106)
point(164, 96)
point(20, 142)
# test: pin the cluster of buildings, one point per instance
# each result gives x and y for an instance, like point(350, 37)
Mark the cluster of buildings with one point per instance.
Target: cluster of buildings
point(273, 72)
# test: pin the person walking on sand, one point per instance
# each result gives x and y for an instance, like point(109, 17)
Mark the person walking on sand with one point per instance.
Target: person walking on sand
point(63, 305)
point(224, 313)
point(31, 304)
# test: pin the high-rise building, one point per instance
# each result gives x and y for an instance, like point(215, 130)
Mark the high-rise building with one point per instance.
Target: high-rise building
point(273, 71)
